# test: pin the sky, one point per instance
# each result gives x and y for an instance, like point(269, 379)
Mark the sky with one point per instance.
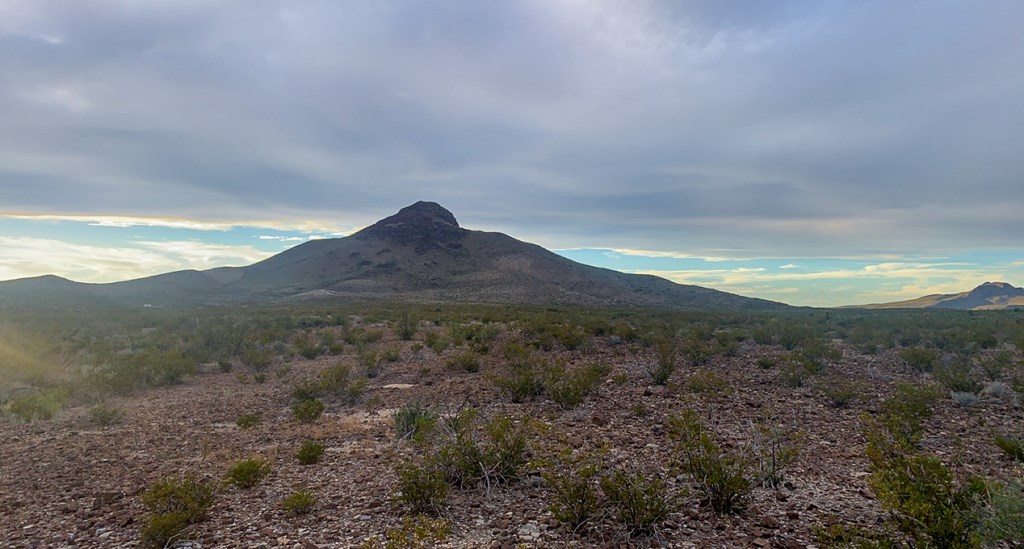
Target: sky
point(812, 152)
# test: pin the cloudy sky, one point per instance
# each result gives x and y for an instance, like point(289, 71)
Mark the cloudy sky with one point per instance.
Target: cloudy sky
point(816, 152)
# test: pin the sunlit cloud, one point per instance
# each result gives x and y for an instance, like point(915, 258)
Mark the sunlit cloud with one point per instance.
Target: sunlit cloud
point(25, 257)
point(176, 223)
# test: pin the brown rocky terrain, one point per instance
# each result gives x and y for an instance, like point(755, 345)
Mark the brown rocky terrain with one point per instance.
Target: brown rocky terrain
point(69, 483)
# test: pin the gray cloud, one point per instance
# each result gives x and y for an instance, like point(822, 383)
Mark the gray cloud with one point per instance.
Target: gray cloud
point(775, 128)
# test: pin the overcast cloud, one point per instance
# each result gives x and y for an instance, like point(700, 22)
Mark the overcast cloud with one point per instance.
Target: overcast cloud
point(707, 128)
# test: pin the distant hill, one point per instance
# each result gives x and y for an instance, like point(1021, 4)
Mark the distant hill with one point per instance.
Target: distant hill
point(988, 296)
point(419, 254)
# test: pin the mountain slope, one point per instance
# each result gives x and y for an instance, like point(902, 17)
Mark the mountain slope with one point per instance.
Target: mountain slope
point(988, 296)
point(419, 254)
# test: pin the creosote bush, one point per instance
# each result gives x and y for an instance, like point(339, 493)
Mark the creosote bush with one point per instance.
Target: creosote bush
point(423, 488)
point(175, 504)
point(574, 490)
point(248, 421)
point(1012, 446)
point(569, 387)
point(247, 473)
point(307, 411)
point(724, 478)
point(920, 358)
point(421, 532)
point(466, 361)
point(300, 502)
point(641, 502)
point(414, 421)
point(664, 365)
point(904, 413)
point(105, 416)
point(310, 452)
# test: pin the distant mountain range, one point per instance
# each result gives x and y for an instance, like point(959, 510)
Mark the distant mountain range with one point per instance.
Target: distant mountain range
point(419, 254)
point(988, 296)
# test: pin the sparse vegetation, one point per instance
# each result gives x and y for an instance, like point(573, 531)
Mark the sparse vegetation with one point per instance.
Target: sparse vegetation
point(247, 473)
point(248, 421)
point(310, 452)
point(174, 505)
point(300, 502)
point(308, 411)
point(641, 501)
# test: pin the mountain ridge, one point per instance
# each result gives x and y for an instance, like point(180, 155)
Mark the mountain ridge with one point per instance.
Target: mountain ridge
point(420, 253)
point(987, 296)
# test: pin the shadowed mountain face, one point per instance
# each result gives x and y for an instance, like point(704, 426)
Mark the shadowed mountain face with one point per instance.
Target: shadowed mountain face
point(988, 296)
point(419, 254)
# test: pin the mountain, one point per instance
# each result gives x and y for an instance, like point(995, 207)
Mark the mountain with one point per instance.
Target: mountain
point(988, 296)
point(419, 254)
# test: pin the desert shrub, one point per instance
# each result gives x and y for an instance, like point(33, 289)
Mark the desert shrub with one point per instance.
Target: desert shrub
point(307, 411)
point(337, 380)
point(846, 536)
point(247, 473)
point(920, 358)
point(1002, 518)
point(415, 533)
point(423, 488)
point(467, 361)
point(435, 341)
point(247, 421)
point(904, 413)
point(724, 478)
point(308, 349)
point(775, 448)
point(391, 354)
point(796, 373)
point(174, 505)
point(574, 492)
point(956, 376)
point(310, 452)
point(257, 359)
point(308, 391)
point(841, 391)
point(125, 373)
point(995, 364)
point(569, 387)
point(225, 366)
point(998, 389)
point(708, 382)
point(964, 400)
point(414, 421)
point(371, 362)
point(405, 327)
point(300, 502)
point(105, 416)
point(641, 502)
point(766, 363)
point(927, 501)
point(1012, 446)
point(36, 405)
point(525, 378)
point(664, 365)
point(260, 378)
point(493, 454)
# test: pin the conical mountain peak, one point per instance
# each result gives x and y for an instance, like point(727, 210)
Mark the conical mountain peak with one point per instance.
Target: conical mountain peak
point(424, 214)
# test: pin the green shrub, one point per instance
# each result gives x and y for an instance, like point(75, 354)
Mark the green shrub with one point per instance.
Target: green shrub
point(225, 366)
point(105, 416)
point(573, 491)
point(956, 376)
point(391, 354)
point(525, 380)
point(766, 363)
point(371, 362)
point(414, 421)
point(405, 327)
point(467, 361)
point(708, 382)
point(310, 452)
point(299, 502)
point(36, 405)
point(175, 504)
point(307, 411)
point(796, 373)
point(247, 473)
point(641, 502)
point(423, 488)
point(260, 378)
point(841, 391)
point(722, 477)
point(337, 380)
point(845, 536)
point(248, 421)
point(494, 453)
point(920, 358)
point(419, 533)
point(435, 341)
point(569, 387)
point(1012, 446)
point(995, 364)
point(904, 413)
point(1002, 518)
point(664, 364)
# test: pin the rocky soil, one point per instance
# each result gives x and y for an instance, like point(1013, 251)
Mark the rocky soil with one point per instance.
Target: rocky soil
point(68, 483)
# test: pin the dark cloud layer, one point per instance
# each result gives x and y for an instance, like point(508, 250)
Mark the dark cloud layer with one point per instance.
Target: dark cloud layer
point(768, 128)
